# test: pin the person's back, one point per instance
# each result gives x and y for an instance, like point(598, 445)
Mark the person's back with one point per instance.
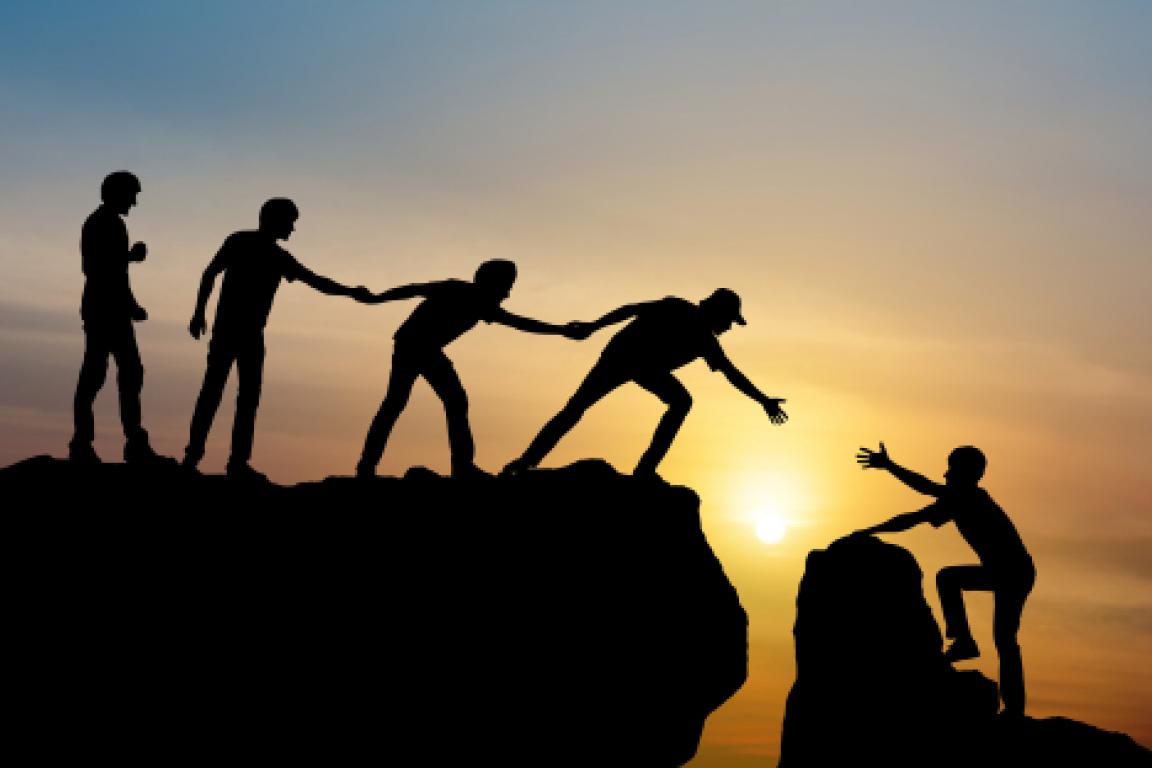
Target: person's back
point(451, 309)
point(986, 527)
point(107, 293)
point(253, 264)
point(664, 335)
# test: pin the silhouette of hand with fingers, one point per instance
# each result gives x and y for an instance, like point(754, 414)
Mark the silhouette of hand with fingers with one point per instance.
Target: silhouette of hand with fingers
point(139, 314)
point(774, 411)
point(578, 330)
point(869, 459)
point(361, 294)
point(138, 252)
point(197, 326)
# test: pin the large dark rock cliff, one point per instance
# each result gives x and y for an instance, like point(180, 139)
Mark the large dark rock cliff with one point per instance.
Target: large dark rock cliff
point(873, 688)
point(566, 617)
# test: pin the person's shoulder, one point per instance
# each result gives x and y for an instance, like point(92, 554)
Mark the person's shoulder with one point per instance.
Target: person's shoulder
point(102, 217)
point(241, 238)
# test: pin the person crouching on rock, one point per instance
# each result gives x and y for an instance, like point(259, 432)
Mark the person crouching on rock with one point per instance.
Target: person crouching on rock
point(663, 336)
point(1006, 569)
point(450, 309)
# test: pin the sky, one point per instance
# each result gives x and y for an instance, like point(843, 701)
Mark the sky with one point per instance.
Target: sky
point(936, 215)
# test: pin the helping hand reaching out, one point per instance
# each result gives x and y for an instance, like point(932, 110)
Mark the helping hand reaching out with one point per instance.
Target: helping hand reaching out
point(774, 411)
point(869, 459)
point(578, 331)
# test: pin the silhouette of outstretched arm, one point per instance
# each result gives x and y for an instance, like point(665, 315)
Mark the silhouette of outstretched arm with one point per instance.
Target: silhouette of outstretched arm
point(619, 315)
point(771, 405)
point(869, 459)
point(330, 287)
point(527, 324)
point(415, 290)
point(897, 523)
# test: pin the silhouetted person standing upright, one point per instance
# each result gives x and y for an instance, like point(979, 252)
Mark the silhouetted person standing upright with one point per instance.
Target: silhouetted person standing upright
point(450, 309)
point(108, 310)
point(253, 265)
point(663, 336)
point(1006, 569)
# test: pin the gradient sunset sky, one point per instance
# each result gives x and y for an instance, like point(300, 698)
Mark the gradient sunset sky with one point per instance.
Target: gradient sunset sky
point(939, 216)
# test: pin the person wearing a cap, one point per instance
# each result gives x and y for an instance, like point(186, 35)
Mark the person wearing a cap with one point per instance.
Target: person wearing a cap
point(663, 336)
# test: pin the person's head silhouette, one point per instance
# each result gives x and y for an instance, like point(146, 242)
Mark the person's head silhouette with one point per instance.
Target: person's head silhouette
point(965, 466)
point(722, 309)
point(119, 190)
point(278, 218)
point(495, 278)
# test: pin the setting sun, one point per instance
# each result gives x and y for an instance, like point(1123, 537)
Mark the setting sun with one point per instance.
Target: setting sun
point(770, 527)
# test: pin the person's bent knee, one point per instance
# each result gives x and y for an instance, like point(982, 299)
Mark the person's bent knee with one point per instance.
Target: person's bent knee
point(680, 403)
point(946, 577)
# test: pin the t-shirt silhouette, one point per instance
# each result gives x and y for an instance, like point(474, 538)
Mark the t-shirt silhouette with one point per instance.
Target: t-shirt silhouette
point(450, 309)
point(104, 260)
point(663, 336)
point(253, 266)
point(984, 525)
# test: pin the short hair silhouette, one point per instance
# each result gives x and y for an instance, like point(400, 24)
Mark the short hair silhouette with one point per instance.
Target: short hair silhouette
point(278, 209)
point(117, 183)
point(969, 461)
point(499, 272)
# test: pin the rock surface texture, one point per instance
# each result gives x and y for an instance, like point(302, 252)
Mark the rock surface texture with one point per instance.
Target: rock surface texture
point(565, 617)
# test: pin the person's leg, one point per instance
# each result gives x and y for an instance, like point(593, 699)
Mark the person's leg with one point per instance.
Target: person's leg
point(249, 382)
point(441, 375)
point(673, 394)
point(951, 582)
point(93, 371)
point(400, 381)
point(221, 355)
point(598, 383)
point(130, 382)
point(1005, 626)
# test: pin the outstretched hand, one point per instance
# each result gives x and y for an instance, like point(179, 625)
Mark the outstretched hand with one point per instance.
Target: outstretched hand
point(578, 330)
point(137, 252)
point(197, 326)
point(361, 294)
point(869, 459)
point(774, 411)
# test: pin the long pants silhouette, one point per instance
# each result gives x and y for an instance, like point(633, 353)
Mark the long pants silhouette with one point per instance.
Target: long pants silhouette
point(247, 352)
point(117, 340)
point(440, 374)
point(601, 380)
point(1009, 593)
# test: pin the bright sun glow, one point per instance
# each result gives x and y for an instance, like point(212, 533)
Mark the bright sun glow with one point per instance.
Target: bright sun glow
point(770, 527)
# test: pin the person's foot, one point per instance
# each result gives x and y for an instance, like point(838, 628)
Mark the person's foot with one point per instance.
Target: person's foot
point(139, 451)
point(515, 467)
point(648, 475)
point(244, 471)
point(83, 453)
point(962, 648)
point(365, 471)
point(469, 471)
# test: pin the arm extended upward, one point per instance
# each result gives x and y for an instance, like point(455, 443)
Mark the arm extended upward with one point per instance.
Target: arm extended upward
point(879, 459)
